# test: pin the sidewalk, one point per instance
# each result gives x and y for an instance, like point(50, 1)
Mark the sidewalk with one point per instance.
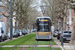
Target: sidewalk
point(66, 46)
point(69, 47)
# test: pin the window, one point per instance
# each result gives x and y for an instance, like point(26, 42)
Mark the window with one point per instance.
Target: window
point(1, 17)
point(1, 10)
point(43, 27)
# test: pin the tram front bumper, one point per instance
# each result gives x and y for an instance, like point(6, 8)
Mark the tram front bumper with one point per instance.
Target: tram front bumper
point(43, 37)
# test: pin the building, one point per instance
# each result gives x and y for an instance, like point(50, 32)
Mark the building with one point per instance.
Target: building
point(14, 22)
point(2, 10)
point(70, 19)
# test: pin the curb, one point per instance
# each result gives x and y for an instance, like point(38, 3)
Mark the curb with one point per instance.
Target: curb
point(60, 46)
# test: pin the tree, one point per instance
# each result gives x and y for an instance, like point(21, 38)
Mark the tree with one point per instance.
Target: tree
point(20, 8)
point(73, 27)
point(58, 11)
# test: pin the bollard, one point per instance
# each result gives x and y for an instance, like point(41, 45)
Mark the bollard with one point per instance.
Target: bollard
point(62, 40)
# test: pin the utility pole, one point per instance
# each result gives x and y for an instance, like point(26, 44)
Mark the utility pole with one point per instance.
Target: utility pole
point(11, 26)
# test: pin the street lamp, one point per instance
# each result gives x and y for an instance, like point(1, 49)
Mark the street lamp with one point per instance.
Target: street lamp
point(43, 7)
point(11, 26)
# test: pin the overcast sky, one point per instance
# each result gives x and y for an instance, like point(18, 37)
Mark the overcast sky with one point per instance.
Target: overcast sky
point(37, 4)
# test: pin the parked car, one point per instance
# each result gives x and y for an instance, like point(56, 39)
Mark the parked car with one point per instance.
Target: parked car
point(23, 32)
point(66, 36)
point(20, 32)
point(15, 34)
point(58, 35)
point(17, 31)
point(26, 31)
point(9, 34)
point(3, 34)
point(52, 29)
point(55, 33)
point(33, 30)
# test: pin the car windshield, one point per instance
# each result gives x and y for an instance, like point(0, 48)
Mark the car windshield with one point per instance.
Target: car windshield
point(56, 30)
point(67, 32)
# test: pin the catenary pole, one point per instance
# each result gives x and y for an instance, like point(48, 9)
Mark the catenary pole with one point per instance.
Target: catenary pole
point(11, 26)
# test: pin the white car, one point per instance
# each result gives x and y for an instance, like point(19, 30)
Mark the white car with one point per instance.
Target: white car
point(3, 34)
point(55, 33)
point(20, 32)
point(14, 34)
point(9, 34)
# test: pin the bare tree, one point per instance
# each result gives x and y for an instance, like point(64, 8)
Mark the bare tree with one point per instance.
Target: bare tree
point(20, 8)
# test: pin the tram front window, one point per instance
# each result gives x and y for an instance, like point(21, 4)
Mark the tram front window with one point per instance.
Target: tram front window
point(43, 28)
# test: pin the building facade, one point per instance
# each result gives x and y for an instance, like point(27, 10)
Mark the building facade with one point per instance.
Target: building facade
point(70, 19)
point(2, 11)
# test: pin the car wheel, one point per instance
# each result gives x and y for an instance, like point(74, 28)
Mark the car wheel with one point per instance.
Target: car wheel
point(53, 35)
point(24, 34)
point(0, 40)
point(18, 34)
point(58, 38)
point(3, 39)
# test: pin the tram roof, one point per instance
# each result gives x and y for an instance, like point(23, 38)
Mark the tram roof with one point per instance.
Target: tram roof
point(43, 17)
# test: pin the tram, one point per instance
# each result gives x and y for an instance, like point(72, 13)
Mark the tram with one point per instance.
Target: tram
point(43, 26)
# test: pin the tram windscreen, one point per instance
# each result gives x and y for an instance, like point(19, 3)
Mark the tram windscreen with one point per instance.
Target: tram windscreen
point(43, 27)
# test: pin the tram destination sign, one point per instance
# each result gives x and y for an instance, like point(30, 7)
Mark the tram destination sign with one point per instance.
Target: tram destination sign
point(43, 20)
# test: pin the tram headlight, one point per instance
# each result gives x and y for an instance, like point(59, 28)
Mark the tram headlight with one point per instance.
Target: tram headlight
point(49, 32)
point(36, 32)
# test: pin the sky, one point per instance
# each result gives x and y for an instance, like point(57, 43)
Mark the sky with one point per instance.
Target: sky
point(38, 5)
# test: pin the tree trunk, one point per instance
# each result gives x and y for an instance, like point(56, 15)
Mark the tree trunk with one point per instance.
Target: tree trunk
point(73, 31)
point(64, 24)
point(60, 24)
point(61, 28)
point(8, 25)
point(30, 28)
point(56, 25)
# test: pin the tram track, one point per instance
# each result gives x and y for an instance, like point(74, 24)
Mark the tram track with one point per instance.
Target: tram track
point(35, 45)
point(49, 44)
point(21, 42)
